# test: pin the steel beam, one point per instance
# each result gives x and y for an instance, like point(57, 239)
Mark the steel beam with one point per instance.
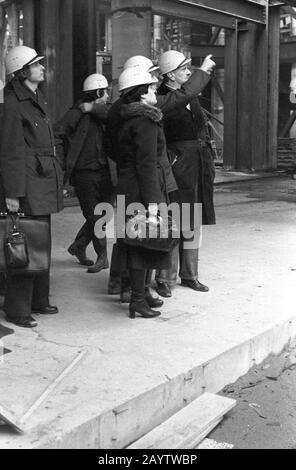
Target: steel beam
point(245, 10)
point(288, 52)
point(190, 12)
point(290, 2)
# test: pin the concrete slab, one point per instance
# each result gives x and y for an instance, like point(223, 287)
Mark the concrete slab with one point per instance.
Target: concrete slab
point(137, 373)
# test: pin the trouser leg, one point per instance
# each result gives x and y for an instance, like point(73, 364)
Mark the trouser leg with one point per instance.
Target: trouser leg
point(118, 279)
point(189, 251)
point(40, 296)
point(91, 189)
point(114, 276)
point(148, 277)
point(100, 244)
point(84, 236)
point(170, 275)
point(18, 298)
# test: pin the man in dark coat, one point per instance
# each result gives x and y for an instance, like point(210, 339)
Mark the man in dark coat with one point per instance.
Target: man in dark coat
point(187, 138)
point(31, 175)
point(79, 139)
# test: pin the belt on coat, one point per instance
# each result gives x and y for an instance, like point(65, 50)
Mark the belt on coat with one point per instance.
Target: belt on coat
point(189, 143)
point(44, 151)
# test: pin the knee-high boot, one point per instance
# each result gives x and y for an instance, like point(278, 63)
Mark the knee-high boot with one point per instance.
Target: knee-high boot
point(138, 303)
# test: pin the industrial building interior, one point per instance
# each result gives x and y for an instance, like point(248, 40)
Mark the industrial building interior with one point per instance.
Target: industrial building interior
point(249, 101)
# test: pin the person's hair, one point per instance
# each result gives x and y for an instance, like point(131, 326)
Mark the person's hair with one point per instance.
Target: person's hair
point(89, 96)
point(23, 74)
point(166, 79)
point(135, 94)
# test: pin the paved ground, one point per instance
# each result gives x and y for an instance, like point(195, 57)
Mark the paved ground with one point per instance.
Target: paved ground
point(249, 262)
point(265, 415)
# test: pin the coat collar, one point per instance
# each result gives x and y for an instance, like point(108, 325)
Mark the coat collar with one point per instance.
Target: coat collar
point(163, 89)
point(131, 110)
point(23, 93)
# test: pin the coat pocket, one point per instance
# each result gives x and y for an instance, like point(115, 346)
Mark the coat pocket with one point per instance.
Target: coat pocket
point(185, 168)
point(44, 166)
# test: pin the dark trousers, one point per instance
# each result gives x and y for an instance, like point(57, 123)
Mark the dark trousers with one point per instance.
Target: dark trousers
point(118, 278)
point(92, 187)
point(26, 292)
point(121, 278)
point(185, 255)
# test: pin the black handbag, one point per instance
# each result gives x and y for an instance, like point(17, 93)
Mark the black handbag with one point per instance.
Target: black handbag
point(15, 247)
point(25, 243)
point(161, 235)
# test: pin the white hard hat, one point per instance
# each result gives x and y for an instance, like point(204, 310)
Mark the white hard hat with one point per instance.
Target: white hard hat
point(134, 76)
point(172, 60)
point(95, 81)
point(142, 62)
point(20, 56)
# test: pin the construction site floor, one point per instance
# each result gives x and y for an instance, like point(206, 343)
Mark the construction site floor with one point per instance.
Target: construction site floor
point(136, 373)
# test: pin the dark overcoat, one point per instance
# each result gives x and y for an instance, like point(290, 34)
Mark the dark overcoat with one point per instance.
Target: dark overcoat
point(191, 155)
point(144, 172)
point(165, 102)
point(30, 169)
point(70, 134)
point(145, 175)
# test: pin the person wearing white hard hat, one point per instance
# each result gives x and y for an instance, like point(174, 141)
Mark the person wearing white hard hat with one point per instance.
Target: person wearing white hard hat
point(192, 161)
point(31, 174)
point(144, 176)
point(20, 57)
point(79, 140)
point(142, 62)
point(166, 103)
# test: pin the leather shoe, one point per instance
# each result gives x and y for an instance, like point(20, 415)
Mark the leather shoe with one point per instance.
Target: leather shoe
point(24, 322)
point(163, 289)
point(80, 255)
point(154, 302)
point(195, 285)
point(101, 263)
point(49, 310)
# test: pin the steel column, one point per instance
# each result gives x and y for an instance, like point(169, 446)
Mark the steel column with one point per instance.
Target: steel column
point(131, 32)
point(273, 86)
point(84, 42)
point(231, 99)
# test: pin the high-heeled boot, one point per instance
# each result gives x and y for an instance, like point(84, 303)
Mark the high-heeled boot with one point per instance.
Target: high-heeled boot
point(138, 303)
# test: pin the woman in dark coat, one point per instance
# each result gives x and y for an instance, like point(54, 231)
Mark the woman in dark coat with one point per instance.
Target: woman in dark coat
point(31, 175)
point(144, 173)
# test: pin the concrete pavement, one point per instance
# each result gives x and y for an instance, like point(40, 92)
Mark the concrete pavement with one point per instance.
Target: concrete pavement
point(138, 372)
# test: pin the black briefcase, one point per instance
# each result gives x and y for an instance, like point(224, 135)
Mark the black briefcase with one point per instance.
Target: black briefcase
point(31, 239)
